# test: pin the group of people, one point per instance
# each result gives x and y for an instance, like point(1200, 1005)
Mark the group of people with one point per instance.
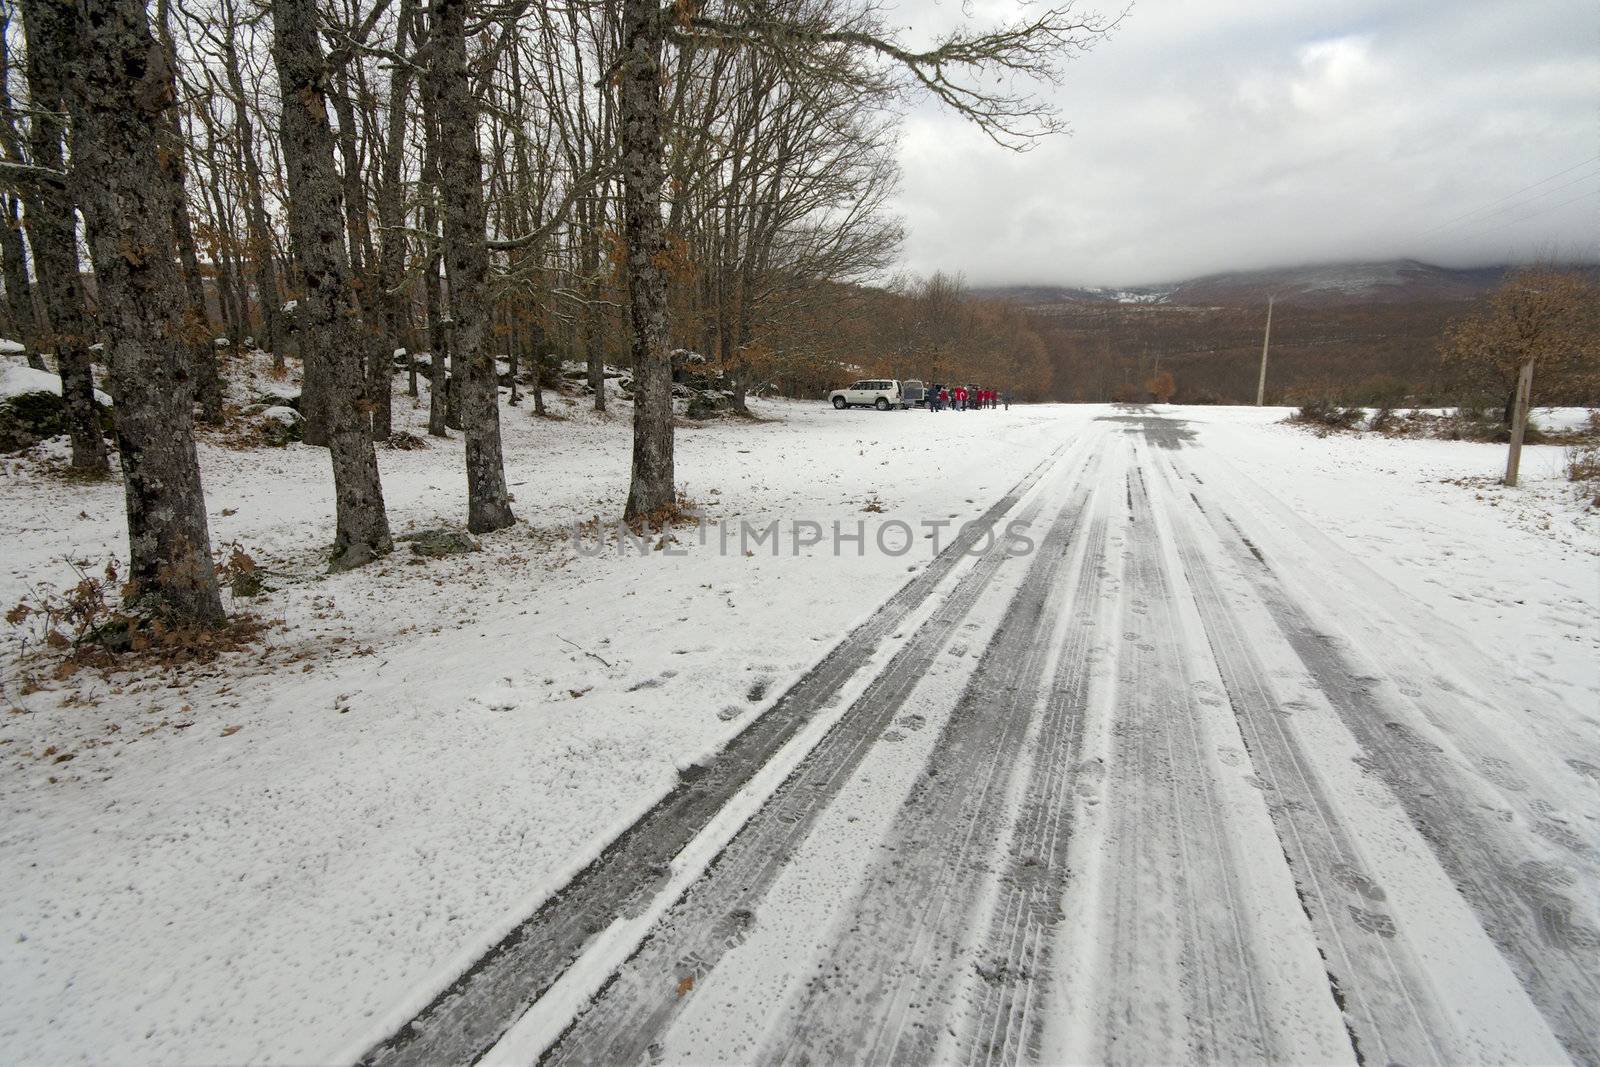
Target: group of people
point(960, 398)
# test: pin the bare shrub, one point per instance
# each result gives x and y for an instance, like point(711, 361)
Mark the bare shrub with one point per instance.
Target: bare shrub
point(1583, 469)
point(1328, 415)
point(103, 621)
point(683, 511)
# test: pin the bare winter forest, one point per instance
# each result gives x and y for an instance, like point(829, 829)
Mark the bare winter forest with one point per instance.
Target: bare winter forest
point(357, 184)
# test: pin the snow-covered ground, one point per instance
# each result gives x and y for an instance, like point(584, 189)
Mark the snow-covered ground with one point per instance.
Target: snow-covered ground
point(281, 856)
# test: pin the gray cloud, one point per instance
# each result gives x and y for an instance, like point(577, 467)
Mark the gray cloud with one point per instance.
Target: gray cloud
point(1214, 135)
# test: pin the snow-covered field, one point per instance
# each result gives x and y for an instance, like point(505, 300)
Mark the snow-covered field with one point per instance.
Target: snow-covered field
point(282, 856)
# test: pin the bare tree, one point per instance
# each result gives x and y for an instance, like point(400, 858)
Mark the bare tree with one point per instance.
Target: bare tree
point(968, 70)
point(52, 231)
point(391, 212)
point(225, 36)
point(118, 95)
point(207, 380)
point(19, 305)
point(466, 254)
point(331, 335)
point(640, 119)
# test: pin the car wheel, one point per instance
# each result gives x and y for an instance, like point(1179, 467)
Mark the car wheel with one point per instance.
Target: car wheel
point(839, 403)
point(882, 404)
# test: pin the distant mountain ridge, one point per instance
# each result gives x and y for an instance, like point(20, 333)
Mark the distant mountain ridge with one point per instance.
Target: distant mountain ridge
point(1330, 284)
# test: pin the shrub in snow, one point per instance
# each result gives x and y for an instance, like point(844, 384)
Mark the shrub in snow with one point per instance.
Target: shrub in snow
point(1485, 424)
point(1583, 462)
point(102, 621)
point(1328, 415)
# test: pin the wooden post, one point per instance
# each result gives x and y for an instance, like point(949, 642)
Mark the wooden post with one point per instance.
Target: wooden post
point(1261, 383)
point(1519, 422)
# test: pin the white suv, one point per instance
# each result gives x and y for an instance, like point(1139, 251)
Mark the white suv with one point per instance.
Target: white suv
point(880, 393)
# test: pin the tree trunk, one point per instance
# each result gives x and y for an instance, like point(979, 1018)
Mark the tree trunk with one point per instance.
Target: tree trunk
point(120, 88)
point(588, 332)
point(467, 256)
point(330, 334)
point(377, 361)
point(52, 230)
point(651, 487)
point(513, 354)
point(202, 349)
point(453, 380)
point(439, 391)
point(259, 229)
point(536, 362)
point(438, 345)
point(439, 384)
point(588, 340)
point(19, 293)
point(207, 381)
point(391, 207)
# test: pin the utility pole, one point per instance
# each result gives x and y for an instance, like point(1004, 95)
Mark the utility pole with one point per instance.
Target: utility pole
point(1261, 383)
point(1519, 422)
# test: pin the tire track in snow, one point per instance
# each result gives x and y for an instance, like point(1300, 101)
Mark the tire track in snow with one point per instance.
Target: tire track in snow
point(1182, 972)
point(1382, 989)
point(1018, 957)
point(1515, 890)
point(641, 998)
point(883, 997)
point(466, 1019)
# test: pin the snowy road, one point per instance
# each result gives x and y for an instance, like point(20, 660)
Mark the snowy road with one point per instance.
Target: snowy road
point(1183, 783)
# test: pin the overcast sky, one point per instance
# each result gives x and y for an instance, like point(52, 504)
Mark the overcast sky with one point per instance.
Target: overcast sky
point(1212, 135)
